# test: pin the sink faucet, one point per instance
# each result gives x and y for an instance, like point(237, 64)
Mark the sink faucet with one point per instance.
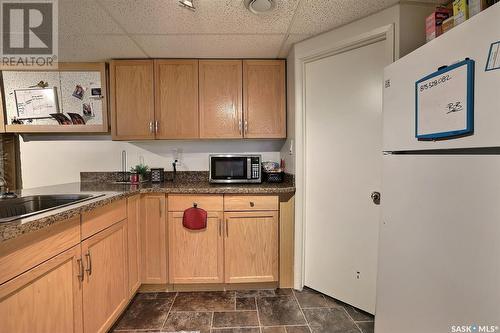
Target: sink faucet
point(174, 167)
point(5, 193)
point(124, 165)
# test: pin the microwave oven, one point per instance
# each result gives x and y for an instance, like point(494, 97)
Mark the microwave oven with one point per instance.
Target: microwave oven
point(235, 168)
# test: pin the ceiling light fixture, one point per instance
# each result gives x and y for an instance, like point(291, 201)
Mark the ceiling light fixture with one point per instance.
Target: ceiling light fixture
point(260, 6)
point(187, 4)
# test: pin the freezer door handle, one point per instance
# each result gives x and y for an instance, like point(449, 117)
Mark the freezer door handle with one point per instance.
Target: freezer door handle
point(376, 197)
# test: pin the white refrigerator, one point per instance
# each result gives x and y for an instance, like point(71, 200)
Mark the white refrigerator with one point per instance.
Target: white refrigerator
point(439, 256)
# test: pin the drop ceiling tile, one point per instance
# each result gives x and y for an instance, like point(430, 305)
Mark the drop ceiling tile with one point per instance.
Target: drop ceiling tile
point(316, 16)
point(291, 39)
point(210, 46)
point(78, 16)
point(90, 47)
point(211, 16)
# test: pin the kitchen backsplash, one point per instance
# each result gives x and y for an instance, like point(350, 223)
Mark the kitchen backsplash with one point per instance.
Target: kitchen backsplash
point(183, 176)
point(49, 161)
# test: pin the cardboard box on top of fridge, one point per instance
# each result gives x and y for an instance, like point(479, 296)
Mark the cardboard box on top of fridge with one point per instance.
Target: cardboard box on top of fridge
point(460, 11)
point(433, 22)
point(477, 6)
point(448, 24)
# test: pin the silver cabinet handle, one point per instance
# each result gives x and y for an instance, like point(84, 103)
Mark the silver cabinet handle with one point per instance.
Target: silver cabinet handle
point(246, 126)
point(240, 126)
point(227, 228)
point(151, 127)
point(79, 262)
point(157, 125)
point(220, 227)
point(89, 263)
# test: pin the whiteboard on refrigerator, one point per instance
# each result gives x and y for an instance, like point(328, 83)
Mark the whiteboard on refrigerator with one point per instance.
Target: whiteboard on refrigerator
point(444, 102)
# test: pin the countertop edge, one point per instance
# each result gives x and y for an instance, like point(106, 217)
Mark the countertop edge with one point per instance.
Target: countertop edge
point(12, 230)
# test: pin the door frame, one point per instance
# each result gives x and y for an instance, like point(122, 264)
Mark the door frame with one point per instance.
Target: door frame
point(384, 33)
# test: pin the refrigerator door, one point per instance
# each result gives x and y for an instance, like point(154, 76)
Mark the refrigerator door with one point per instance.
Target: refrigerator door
point(471, 39)
point(439, 257)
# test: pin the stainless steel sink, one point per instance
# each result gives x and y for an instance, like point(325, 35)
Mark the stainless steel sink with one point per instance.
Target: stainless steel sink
point(16, 208)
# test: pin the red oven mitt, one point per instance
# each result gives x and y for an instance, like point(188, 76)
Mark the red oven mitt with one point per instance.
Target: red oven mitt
point(194, 218)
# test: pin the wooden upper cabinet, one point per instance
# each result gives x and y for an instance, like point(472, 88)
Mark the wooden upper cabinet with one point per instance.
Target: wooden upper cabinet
point(132, 99)
point(176, 99)
point(264, 102)
point(221, 99)
point(191, 99)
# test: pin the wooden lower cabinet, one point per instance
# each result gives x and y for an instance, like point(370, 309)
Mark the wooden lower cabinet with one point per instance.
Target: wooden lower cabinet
point(195, 256)
point(47, 298)
point(105, 288)
point(134, 243)
point(153, 239)
point(251, 247)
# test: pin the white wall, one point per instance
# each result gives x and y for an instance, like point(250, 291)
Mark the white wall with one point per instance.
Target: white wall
point(409, 32)
point(49, 161)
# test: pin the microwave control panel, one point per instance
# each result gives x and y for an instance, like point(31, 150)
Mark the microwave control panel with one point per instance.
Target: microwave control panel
point(255, 163)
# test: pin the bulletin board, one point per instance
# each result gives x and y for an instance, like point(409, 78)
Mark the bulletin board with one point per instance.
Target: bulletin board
point(42, 97)
point(444, 102)
point(36, 103)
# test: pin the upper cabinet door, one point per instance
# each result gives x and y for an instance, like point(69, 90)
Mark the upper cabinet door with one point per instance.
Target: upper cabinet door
point(132, 99)
point(176, 99)
point(264, 103)
point(221, 99)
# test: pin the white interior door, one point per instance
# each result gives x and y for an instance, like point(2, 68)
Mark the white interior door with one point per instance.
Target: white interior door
point(343, 130)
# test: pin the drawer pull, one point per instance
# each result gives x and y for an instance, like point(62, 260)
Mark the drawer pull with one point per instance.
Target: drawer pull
point(79, 262)
point(89, 263)
point(252, 204)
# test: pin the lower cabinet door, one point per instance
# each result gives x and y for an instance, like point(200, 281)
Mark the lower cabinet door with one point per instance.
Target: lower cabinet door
point(133, 243)
point(47, 298)
point(195, 256)
point(105, 289)
point(153, 238)
point(251, 247)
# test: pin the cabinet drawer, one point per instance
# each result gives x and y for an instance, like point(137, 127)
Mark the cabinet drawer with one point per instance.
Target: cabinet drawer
point(179, 203)
point(250, 202)
point(26, 251)
point(101, 218)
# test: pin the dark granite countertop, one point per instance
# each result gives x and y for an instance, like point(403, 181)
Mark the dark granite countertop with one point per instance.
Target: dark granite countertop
point(112, 192)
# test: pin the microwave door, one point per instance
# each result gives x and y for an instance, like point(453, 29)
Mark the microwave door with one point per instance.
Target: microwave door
point(234, 168)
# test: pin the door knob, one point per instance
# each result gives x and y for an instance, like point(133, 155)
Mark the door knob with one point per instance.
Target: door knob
point(375, 197)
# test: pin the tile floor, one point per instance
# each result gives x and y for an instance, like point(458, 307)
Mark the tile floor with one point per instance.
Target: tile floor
point(252, 311)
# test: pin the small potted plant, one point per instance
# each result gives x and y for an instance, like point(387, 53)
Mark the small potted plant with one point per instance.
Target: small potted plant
point(141, 170)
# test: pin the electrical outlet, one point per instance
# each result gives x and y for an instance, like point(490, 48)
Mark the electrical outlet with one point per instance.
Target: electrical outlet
point(358, 275)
